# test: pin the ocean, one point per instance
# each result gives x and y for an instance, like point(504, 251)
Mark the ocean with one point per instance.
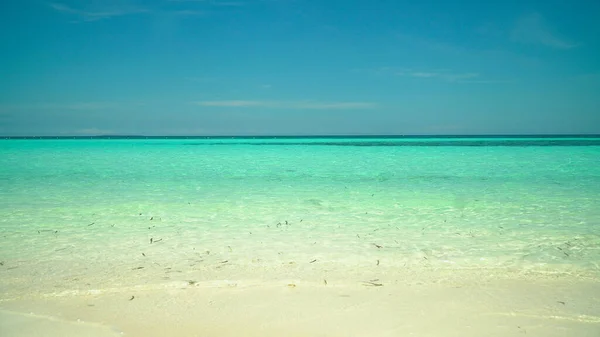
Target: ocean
point(300, 236)
point(81, 214)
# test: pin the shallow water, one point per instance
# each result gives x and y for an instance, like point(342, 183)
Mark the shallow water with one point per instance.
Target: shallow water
point(100, 214)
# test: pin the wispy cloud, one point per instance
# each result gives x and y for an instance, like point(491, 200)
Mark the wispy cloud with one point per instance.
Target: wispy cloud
point(288, 104)
point(336, 105)
point(211, 2)
point(101, 10)
point(89, 132)
point(423, 75)
point(228, 3)
point(72, 106)
point(188, 12)
point(96, 14)
point(235, 103)
point(443, 75)
point(82, 106)
point(533, 29)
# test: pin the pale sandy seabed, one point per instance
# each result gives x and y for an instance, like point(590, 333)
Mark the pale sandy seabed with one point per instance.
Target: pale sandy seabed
point(436, 303)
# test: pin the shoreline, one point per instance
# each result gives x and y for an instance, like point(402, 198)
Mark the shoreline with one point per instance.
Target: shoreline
point(27, 282)
point(564, 306)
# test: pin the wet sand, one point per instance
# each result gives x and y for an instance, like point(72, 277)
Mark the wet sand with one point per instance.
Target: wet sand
point(562, 307)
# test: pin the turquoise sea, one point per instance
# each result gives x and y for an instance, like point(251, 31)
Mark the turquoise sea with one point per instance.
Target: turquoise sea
point(82, 214)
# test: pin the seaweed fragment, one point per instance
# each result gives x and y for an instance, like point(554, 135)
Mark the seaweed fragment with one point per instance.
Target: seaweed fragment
point(372, 284)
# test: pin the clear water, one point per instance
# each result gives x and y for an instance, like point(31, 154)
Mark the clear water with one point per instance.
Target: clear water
point(81, 214)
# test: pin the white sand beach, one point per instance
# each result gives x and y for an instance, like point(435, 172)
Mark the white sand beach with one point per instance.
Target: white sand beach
point(560, 307)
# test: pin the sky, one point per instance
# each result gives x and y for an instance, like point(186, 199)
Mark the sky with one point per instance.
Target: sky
point(299, 67)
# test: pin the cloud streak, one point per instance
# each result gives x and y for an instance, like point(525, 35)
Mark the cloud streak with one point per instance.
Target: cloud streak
point(533, 29)
point(443, 75)
point(181, 8)
point(73, 106)
point(188, 12)
point(89, 132)
point(287, 105)
point(210, 2)
point(95, 15)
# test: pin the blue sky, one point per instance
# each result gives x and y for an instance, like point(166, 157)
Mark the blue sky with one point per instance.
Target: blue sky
point(281, 67)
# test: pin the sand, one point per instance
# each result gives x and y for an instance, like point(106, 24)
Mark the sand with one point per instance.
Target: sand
point(561, 307)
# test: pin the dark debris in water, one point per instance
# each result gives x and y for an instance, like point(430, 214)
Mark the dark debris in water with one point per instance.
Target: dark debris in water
point(373, 283)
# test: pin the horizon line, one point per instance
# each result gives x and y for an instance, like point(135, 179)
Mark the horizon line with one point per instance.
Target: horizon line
point(141, 136)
